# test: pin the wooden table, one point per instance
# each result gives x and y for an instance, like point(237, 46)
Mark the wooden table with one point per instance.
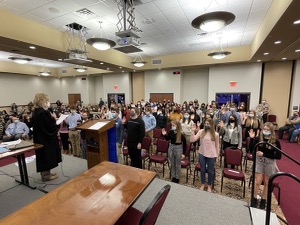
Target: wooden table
point(99, 196)
point(20, 155)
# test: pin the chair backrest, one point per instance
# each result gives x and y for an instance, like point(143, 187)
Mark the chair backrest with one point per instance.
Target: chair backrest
point(151, 213)
point(146, 143)
point(125, 143)
point(156, 132)
point(233, 156)
point(272, 118)
point(168, 127)
point(188, 150)
point(162, 146)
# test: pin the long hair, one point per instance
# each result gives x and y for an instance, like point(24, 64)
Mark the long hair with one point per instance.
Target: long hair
point(178, 131)
point(235, 120)
point(211, 130)
point(255, 120)
point(272, 139)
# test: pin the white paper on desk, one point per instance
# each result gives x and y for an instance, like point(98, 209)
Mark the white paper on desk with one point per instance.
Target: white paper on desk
point(61, 118)
point(98, 125)
point(9, 143)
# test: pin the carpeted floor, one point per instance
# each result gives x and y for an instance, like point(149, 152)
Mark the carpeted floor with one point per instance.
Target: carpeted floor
point(231, 188)
point(290, 194)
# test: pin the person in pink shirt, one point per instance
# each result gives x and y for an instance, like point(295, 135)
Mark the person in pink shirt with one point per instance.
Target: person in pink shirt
point(208, 151)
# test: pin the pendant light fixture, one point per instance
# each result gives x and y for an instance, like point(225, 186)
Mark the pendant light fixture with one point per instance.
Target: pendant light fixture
point(20, 60)
point(219, 54)
point(138, 61)
point(213, 21)
point(45, 72)
point(80, 69)
point(100, 43)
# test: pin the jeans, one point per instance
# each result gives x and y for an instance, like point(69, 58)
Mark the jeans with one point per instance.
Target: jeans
point(175, 152)
point(207, 164)
point(294, 135)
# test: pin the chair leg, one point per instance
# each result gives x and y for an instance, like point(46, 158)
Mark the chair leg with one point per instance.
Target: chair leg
point(163, 170)
point(246, 164)
point(244, 188)
point(187, 173)
point(222, 183)
point(149, 164)
point(194, 177)
point(278, 195)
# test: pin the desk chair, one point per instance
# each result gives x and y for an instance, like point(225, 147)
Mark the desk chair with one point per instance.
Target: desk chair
point(135, 217)
point(161, 155)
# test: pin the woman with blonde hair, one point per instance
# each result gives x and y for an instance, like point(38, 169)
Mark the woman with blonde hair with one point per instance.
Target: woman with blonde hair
point(45, 133)
point(176, 150)
point(266, 157)
point(250, 122)
point(208, 151)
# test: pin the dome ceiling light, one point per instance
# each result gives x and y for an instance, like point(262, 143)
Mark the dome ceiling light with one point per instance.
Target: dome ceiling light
point(20, 60)
point(213, 21)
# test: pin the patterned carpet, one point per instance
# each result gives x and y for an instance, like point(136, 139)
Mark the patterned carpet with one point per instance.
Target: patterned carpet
point(231, 188)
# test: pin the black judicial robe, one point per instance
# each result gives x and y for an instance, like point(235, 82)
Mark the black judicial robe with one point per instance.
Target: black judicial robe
point(45, 133)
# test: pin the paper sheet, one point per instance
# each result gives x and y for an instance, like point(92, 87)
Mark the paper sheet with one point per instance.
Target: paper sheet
point(9, 143)
point(61, 118)
point(97, 125)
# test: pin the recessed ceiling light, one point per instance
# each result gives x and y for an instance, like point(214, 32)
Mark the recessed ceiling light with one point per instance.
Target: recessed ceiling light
point(59, 59)
point(297, 50)
point(32, 47)
point(277, 42)
point(120, 67)
point(259, 60)
point(123, 71)
point(102, 63)
point(283, 58)
point(297, 22)
point(266, 53)
point(107, 68)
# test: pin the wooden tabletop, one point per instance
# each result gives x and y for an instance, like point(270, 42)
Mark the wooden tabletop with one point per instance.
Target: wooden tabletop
point(98, 196)
point(19, 151)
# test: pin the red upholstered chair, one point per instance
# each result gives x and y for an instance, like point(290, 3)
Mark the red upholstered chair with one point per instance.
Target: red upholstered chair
point(273, 119)
point(198, 170)
point(168, 127)
point(161, 155)
point(248, 156)
point(125, 149)
point(135, 217)
point(234, 158)
point(156, 134)
point(145, 145)
point(185, 163)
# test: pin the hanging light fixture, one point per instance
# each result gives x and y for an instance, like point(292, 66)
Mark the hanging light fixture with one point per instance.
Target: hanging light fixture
point(138, 61)
point(45, 72)
point(219, 54)
point(100, 43)
point(20, 60)
point(213, 21)
point(80, 69)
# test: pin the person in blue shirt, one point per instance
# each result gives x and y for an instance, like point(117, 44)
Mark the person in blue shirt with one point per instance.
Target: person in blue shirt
point(16, 130)
point(150, 124)
point(72, 120)
point(120, 131)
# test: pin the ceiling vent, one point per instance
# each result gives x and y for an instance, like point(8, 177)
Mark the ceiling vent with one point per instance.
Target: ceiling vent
point(84, 12)
point(128, 49)
point(64, 71)
point(156, 61)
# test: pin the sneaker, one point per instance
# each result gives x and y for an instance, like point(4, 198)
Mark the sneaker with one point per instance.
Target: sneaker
point(49, 177)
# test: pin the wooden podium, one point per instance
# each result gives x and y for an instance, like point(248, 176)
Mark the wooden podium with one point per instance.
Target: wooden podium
point(96, 140)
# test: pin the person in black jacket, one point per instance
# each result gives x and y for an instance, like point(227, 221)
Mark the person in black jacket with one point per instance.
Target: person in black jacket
point(176, 150)
point(161, 118)
point(266, 157)
point(135, 135)
point(45, 133)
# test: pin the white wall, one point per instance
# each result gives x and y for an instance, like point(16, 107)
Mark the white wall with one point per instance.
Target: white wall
point(248, 77)
point(123, 80)
point(21, 89)
point(295, 94)
point(163, 81)
point(92, 91)
point(195, 85)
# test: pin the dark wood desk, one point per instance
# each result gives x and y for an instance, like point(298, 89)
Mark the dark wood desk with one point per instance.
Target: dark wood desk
point(20, 155)
point(99, 196)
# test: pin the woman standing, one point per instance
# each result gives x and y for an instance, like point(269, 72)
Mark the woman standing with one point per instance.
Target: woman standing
point(251, 122)
point(265, 160)
point(176, 150)
point(208, 151)
point(186, 125)
point(45, 133)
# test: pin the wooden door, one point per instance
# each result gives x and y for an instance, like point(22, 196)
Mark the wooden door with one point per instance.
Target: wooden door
point(73, 98)
point(159, 97)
